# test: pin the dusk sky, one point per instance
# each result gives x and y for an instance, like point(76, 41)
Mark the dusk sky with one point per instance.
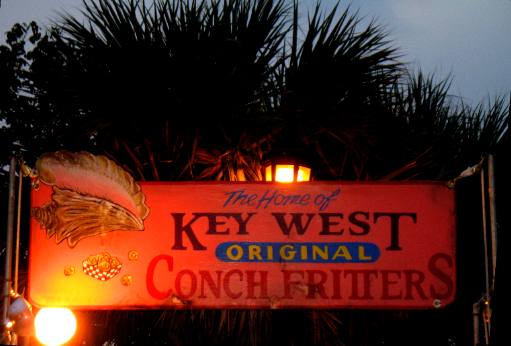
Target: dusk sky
point(467, 39)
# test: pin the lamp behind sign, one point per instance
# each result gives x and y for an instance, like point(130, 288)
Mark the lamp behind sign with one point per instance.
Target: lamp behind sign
point(286, 170)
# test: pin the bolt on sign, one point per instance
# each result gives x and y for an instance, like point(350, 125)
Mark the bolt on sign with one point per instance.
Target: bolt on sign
point(101, 240)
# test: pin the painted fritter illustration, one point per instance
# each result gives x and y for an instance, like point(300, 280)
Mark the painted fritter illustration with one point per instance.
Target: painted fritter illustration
point(102, 266)
point(92, 195)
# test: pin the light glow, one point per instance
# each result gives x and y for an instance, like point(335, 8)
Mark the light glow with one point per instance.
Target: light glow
point(284, 173)
point(267, 173)
point(304, 174)
point(54, 326)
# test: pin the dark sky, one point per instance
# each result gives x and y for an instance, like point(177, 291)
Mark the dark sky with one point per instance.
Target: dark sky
point(467, 39)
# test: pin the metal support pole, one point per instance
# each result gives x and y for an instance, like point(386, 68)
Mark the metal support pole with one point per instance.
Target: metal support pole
point(8, 244)
point(18, 231)
point(486, 296)
point(485, 232)
point(493, 216)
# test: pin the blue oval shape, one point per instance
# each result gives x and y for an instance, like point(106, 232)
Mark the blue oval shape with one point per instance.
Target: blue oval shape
point(306, 252)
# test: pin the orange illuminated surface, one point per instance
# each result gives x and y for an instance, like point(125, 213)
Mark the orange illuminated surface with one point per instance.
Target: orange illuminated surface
point(335, 244)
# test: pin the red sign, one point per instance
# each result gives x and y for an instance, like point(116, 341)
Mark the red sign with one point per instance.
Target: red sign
point(243, 245)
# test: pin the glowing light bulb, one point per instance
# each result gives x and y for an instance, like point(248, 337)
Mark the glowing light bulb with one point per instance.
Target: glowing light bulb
point(284, 173)
point(54, 326)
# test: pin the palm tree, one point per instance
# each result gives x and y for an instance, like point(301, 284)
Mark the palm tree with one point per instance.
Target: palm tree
point(233, 56)
point(180, 90)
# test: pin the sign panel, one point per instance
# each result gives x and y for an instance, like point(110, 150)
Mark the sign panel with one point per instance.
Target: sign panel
point(95, 244)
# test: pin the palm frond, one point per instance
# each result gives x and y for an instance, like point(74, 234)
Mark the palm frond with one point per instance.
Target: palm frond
point(338, 65)
point(443, 135)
